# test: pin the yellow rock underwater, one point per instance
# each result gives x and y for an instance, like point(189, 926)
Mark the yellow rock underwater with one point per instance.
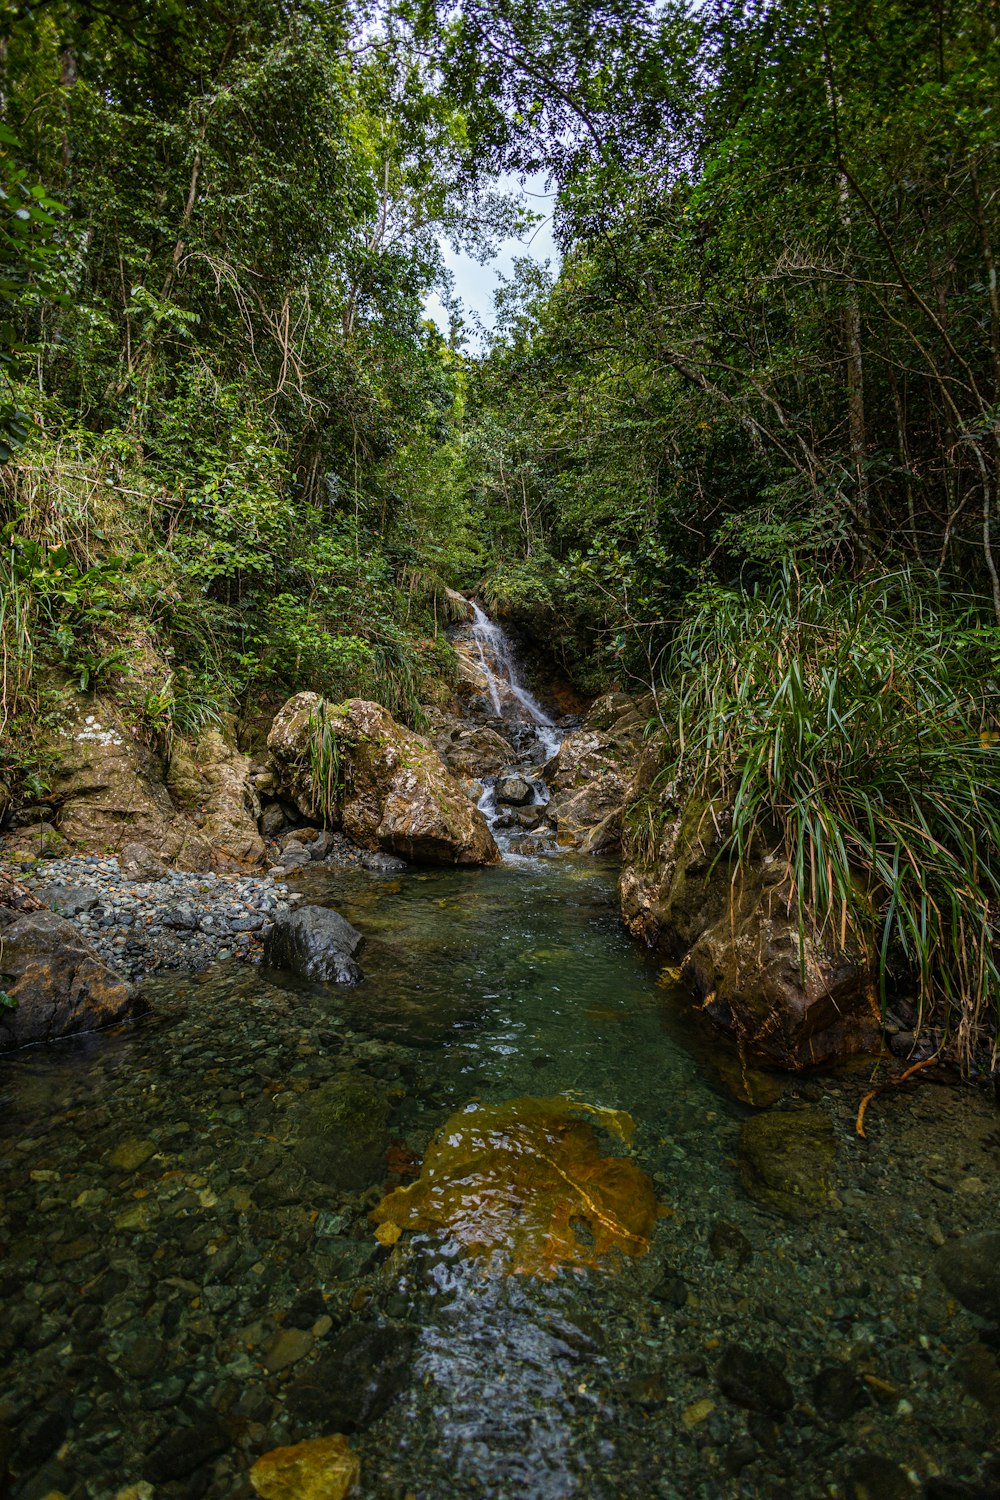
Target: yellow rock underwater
point(321, 1469)
point(526, 1186)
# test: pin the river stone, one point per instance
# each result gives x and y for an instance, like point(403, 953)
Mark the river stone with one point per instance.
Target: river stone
point(785, 1159)
point(514, 791)
point(728, 1243)
point(837, 1393)
point(970, 1269)
point(872, 1477)
point(314, 942)
point(69, 900)
point(323, 1468)
point(355, 1379)
point(185, 1449)
point(58, 982)
point(343, 1134)
point(753, 1381)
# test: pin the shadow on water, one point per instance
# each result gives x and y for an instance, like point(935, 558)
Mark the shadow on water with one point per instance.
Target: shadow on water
point(190, 1278)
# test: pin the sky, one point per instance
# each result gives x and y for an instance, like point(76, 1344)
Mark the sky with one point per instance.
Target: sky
point(475, 284)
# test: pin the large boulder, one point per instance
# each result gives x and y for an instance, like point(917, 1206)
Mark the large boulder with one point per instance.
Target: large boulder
point(394, 793)
point(53, 982)
point(592, 772)
point(315, 943)
point(785, 994)
point(470, 750)
point(209, 779)
point(109, 789)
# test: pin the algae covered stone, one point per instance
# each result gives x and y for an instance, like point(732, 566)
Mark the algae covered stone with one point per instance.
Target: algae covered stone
point(785, 1161)
point(527, 1187)
point(343, 1133)
point(325, 1468)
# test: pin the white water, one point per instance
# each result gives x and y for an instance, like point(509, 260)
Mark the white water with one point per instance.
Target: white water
point(496, 658)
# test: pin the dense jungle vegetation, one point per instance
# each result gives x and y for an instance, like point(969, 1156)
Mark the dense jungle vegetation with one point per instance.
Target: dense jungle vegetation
point(742, 445)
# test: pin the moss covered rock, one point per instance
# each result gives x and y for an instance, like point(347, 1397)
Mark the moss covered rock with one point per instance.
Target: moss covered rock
point(786, 1160)
point(343, 1132)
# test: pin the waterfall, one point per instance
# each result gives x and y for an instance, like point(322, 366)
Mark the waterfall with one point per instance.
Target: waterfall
point(496, 657)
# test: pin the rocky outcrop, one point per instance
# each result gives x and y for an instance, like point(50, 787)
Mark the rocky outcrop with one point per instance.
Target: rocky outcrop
point(737, 934)
point(467, 749)
point(53, 983)
point(316, 943)
point(591, 775)
point(394, 792)
point(210, 780)
point(109, 790)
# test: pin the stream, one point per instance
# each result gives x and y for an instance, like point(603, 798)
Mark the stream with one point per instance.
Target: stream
point(191, 1275)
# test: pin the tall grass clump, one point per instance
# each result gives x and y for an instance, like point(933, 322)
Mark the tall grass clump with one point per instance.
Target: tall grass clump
point(854, 722)
point(325, 764)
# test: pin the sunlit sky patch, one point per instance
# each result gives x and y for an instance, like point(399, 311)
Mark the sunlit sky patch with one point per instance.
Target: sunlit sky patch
point(475, 284)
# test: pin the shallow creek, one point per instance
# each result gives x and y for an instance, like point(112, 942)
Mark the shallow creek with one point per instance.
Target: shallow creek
point(191, 1277)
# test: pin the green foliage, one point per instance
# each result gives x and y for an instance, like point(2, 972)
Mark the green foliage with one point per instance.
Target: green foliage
point(325, 763)
point(30, 262)
point(855, 722)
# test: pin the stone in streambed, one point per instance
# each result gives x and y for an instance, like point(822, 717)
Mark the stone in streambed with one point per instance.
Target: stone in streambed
point(753, 1381)
point(314, 943)
point(285, 1348)
point(514, 791)
point(57, 982)
point(970, 1269)
point(728, 1243)
point(323, 1468)
point(355, 1380)
point(343, 1134)
point(138, 862)
point(785, 1161)
point(872, 1477)
point(69, 900)
point(837, 1393)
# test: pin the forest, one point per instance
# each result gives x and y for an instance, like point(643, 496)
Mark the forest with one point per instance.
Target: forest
point(741, 447)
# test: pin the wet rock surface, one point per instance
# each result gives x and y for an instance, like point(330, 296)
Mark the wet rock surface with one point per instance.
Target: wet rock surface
point(54, 983)
point(315, 943)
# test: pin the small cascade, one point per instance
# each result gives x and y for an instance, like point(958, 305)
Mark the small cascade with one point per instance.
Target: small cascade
point(496, 657)
point(512, 800)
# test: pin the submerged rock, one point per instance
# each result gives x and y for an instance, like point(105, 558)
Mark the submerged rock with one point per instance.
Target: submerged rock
point(54, 981)
point(753, 1381)
point(356, 1378)
point(315, 943)
point(970, 1269)
point(526, 1186)
point(396, 795)
point(343, 1133)
point(785, 1161)
point(324, 1468)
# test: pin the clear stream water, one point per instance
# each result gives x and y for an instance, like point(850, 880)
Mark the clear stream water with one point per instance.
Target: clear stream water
point(189, 1281)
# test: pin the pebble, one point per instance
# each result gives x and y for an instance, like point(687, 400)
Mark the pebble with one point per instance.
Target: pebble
point(183, 923)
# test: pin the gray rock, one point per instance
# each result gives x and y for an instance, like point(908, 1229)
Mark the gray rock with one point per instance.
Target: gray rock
point(383, 864)
point(514, 791)
point(315, 943)
point(69, 900)
point(138, 862)
point(272, 820)
point(181, 918)
point(355, 1380)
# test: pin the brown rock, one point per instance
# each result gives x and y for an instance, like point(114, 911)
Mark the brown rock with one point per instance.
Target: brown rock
point(110, 789)
point(397, 795)
point(57, 981)
point(320, 1469)
point(211, 781)
point(738, 934)
point(591, 774)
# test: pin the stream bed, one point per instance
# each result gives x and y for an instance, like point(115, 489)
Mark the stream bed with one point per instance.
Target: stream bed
point(191, 1277)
